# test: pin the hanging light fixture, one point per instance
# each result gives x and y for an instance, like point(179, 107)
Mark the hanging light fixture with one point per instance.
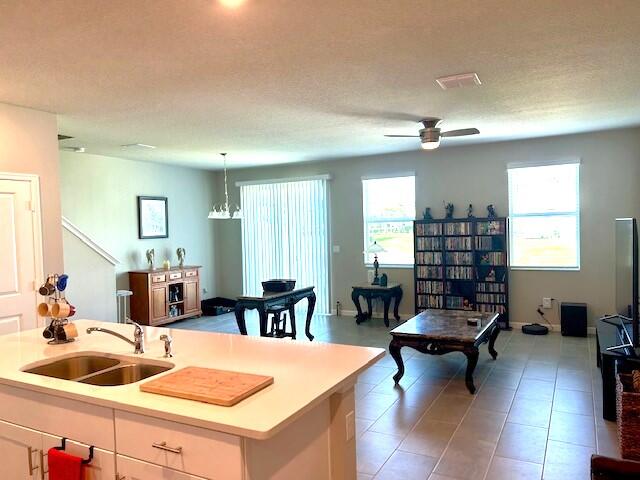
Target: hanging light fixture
point(225, 211)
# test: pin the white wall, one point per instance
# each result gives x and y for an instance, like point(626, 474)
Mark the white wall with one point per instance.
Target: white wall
point(29, 144)
point(92, 280)
point(475, 174)
point(99, 196)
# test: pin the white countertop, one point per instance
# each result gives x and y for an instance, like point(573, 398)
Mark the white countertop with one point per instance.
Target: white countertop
point(305, 373)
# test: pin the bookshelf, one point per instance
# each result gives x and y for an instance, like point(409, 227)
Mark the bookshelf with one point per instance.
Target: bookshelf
point(462, 264)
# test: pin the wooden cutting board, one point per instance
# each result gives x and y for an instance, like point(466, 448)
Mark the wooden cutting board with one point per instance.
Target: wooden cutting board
point(220, 387)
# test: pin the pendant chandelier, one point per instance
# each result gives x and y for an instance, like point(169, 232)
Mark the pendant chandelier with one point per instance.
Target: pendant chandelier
point(225, 211)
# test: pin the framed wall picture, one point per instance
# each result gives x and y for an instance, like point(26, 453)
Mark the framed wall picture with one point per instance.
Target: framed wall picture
point(153, 217)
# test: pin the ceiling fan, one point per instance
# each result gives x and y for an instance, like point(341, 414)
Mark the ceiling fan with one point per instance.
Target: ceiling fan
point(431, 134)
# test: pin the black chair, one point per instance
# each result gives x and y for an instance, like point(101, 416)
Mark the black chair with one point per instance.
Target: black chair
point(279, 322)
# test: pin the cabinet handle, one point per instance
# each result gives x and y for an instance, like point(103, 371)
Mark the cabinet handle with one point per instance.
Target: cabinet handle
point(42, 472)
point(30, 452)
point(165, 447)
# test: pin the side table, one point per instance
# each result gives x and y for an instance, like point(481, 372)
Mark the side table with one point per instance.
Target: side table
point(393, 291)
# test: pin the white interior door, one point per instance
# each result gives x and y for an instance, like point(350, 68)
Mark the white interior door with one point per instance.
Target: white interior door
point(18, 253)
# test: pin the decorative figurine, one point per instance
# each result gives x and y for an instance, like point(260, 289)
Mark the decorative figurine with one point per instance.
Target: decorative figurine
point(449, 209)
point(470, 211)
point(384, 280)
point(491, 211)
point(180, 252)
point(491, 276)
point(427, 214)
point(150, 254)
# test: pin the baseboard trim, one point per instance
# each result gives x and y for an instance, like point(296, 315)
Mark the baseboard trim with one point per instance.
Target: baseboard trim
point(352, 313)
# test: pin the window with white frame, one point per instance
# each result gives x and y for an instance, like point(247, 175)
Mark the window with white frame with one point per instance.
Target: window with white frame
point(389, 208)
point(544, 213)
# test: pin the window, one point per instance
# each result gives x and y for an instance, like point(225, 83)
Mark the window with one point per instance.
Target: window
point(544, 211)
point(285, 234)
point(389, 207)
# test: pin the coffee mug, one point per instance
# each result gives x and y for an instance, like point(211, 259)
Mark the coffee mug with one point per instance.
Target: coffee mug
point(45, 309)
point(62, 310)
point(48, 332)
point(70, 330)
point(46, 289)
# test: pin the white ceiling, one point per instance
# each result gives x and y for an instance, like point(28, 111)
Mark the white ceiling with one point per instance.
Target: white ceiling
point(294, 80)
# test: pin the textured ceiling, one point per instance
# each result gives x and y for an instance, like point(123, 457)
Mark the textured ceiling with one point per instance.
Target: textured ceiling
point(294, 80)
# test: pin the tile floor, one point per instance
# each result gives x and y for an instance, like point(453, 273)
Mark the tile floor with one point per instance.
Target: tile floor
point(536, 413)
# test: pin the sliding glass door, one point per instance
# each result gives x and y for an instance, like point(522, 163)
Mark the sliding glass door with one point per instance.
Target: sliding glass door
point(285, 235)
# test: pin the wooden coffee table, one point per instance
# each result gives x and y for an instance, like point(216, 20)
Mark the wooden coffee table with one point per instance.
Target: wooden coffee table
point(437, 332)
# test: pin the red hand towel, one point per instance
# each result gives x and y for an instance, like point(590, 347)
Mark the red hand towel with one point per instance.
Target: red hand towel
point(63, 466)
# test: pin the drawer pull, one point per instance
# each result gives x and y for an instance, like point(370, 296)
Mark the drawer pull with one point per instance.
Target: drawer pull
point(42, 472)
point(174, 276)
point(165, 447)
point(30, 452)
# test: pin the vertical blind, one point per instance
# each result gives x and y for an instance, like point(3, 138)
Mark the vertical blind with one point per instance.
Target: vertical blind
point(285, 235)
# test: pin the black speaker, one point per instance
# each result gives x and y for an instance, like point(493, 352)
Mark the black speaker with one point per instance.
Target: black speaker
point(573, 319)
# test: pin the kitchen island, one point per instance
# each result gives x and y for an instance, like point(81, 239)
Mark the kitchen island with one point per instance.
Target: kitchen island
point(301, 426)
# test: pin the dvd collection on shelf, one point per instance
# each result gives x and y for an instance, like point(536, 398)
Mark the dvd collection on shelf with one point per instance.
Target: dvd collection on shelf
point(457, 243)
point(426, 286)
point(429, 243)
point(429, 301)
point(429, 258)
point(461, 264)
point(492, 258)
point(458, 258)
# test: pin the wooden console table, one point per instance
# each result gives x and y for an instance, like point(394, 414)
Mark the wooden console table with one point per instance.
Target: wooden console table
point(393, 291)
point(165, 295)
point(272, 299)
point(437, 332)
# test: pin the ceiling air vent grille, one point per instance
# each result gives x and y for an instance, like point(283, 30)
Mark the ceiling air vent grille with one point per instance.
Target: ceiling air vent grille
point(459, 81)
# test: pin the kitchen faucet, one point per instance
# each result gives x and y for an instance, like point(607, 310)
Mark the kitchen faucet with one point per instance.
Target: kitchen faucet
point(138, 336)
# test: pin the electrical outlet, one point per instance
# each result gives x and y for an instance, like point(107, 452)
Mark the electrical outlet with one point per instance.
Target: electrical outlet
point(336, 249)
point(350, 422)
point(546, 302)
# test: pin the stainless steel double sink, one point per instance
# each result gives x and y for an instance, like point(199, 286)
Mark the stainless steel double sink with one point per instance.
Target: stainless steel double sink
point(98, 368)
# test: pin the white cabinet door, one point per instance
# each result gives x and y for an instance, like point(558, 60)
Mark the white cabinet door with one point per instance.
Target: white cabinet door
point(102, 467)
point(130, 469)
point(20, 449)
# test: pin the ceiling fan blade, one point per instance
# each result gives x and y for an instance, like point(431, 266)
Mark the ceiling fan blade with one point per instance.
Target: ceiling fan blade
point(407, 136)
point(460, 133)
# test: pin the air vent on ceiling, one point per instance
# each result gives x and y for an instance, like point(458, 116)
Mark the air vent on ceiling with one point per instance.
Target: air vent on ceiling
point(138, 145)
point(458, 81)
point(63, 137)
point(73, 149)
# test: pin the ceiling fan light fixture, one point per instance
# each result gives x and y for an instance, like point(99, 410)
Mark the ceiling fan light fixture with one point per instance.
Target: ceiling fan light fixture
point(430, 145)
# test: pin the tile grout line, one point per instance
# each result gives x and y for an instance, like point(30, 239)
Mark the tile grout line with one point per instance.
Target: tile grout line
point(444, 451)
point(495, 448)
